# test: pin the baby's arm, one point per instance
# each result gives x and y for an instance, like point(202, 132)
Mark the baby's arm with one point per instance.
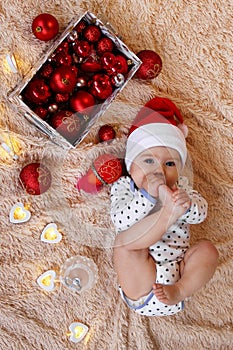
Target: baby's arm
point(197, 211)
point(127, 207)
point(150, 228)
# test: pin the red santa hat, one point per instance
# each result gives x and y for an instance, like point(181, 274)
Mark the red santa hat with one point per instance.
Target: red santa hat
point(158, 123)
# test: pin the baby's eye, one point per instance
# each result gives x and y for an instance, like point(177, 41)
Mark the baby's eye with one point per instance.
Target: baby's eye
point(170, 163)
point(149, 161)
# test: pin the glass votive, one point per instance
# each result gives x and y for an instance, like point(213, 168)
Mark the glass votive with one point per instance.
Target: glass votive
point(78, 273)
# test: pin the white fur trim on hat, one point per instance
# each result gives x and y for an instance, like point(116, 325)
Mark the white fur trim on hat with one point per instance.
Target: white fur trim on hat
point(152, 135)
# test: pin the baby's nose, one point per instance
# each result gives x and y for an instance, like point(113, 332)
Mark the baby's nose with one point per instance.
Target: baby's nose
point(159, 169)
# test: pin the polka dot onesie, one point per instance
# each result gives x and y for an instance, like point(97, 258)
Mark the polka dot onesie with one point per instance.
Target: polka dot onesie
point(128, 206)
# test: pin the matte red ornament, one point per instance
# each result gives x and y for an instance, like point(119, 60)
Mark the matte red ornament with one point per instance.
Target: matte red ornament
point(82, 101)
point(80, 26)
point(104, 45)
point(67, 123)
point(61, 98)
point(92, 33)
point(46, 70)
point(41, 112)
point(37, 91)
point(45, 27)
point(36, 178)
point(63, 47)
point(106, 133)
point(63, 80)
point(100, 86)
point(82, 48)
point(106, 169)
point(151, 65)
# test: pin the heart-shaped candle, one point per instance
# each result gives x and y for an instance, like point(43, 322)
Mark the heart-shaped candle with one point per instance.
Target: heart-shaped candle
point(19, 214)
point(50, 234)
point(46, 280)
point(78, 331)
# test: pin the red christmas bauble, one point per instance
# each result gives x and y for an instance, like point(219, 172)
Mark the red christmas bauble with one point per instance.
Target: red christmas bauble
point(105, 170)
point(61, 98)
point(100, 86)
point(121, 64)
point(41, 112)
point(108, 168)
point(151, 65)
point(104, 45)
point(80, 26)
point(36, 178)
point(108, 60)
point(63, 47)
point(37, 91)
point(92, 33)
point(62, 58)
point(91, 65)
point(45, 27)
point(82, 101)
point(82, 48)
point(63, 80)
point(67, 123)
point(46, 70)
point(106, 133)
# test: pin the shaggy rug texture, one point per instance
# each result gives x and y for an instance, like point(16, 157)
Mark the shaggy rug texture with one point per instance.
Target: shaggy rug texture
point(194, 40)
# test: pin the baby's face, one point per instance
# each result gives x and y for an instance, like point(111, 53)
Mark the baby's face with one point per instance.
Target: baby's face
point(154, 167)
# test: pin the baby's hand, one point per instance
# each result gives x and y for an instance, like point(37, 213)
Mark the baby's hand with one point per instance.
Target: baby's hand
point(175, 202)
point(181, 198)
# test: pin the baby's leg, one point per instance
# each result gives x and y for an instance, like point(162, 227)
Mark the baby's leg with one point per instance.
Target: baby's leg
point(136, 270)
point(200, 263)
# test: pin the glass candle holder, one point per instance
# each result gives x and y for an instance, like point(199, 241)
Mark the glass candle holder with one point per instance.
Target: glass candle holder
point(78, 273)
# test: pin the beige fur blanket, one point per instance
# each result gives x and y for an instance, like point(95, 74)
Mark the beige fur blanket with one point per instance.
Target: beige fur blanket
point(194, 40)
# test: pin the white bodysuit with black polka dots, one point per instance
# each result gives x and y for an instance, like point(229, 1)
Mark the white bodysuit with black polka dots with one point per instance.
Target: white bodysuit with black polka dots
point(128, 206)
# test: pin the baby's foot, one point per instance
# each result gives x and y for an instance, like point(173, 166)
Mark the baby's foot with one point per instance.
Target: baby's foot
point(168, 294)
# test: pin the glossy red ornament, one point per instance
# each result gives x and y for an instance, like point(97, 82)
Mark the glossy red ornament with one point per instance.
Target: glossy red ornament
point(37, 91)
point(108, 60)
point(63, 80)
point(62, 58)
point(35, 178)
point(151, 65)
point(106, 169)
point(67, 123)
point(45, 27)
point(82, 101)
point(91, 65)
point(106, 133)
point(104, 45)
point(121, 64)
point(82, 48)
point(100, 86)
point(92, 33)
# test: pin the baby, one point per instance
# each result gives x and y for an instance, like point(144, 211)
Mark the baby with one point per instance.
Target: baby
point(156, 268)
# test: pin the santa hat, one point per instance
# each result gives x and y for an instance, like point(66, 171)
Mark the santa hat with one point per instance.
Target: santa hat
point(158, 123)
